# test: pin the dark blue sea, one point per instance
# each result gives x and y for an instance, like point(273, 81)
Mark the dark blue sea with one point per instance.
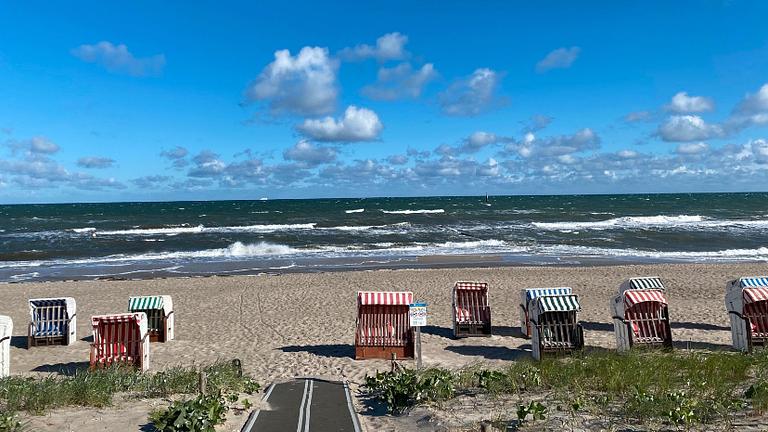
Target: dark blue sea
point(163, 239)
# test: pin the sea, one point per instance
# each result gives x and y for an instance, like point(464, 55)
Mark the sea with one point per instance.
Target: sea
point(137, 240)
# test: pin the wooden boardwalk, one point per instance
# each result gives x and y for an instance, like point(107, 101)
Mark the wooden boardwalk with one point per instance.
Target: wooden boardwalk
point(305, 405)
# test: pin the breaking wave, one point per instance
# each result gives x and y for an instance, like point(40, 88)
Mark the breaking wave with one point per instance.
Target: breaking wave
point(409, 212)
point(658, 222)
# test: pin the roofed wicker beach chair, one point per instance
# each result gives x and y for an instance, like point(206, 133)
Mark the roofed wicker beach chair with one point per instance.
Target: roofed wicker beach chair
point(120, 339)
point(527, 295)
point(6, 332)
point(554, 325)
point(53, 321)
point(641, 314)
point(160, 317)
point(746, 300)
point(471, 309)
point(383, 327)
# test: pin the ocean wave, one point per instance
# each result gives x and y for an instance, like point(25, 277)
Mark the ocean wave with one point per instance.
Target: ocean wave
point(659, 222)
point(354, 211)
point(203, 229)
point(409, 212)
point(83, 230)
point(756, 254)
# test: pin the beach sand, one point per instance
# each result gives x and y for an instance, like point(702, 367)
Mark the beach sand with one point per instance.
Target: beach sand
point(293, 325)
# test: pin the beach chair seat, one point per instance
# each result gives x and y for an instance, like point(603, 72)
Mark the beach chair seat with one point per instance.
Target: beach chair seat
point(383, 327)
point(6, 332)
point(160, 316)
point(527, 296)
point(120, 339)
point(53, 321)
point(555, 328)
point(472, 311)
point(641, 314)
point(746, 300)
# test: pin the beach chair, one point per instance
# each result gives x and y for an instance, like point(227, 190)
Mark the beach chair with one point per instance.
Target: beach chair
point(53, 321)
point(383, 327)
point(554, 325)
point(6, 332)
point(641, 314)
point(527, 295)
point(120, 338)
point(160, 318)
point(746, 300)
point(471, 309)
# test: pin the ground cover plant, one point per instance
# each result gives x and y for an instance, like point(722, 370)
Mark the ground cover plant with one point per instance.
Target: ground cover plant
point(682, 389)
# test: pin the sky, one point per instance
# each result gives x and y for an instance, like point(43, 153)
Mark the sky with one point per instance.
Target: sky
point(102, 101)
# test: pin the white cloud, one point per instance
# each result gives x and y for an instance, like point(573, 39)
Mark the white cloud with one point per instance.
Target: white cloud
point(690, 149)
point(561, 58)
point(682, 103)
point(207, 164)
point(304, 84)
point(400, 81)
point(638, 116)
point(472, 95)
point(583, 140)
point(117, 58)
point(751, 111)
point(95, 162)
point(759, 149)
point(627, 154)
point(310, 154)
point(397, 159)
point(688, 128)
point(177, 156)
point(357, 124)
point(391, 46)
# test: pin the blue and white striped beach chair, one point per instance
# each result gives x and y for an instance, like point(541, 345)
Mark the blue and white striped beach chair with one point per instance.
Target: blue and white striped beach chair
point(52, 321)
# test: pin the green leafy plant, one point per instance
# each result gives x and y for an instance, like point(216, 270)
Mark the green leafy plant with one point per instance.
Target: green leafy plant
point(9, 422)
point(405, 388)
point(201, 414)
point(536, 410)
point(758, 393)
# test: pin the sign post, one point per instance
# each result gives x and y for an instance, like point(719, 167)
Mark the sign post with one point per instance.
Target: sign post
point(417, 315)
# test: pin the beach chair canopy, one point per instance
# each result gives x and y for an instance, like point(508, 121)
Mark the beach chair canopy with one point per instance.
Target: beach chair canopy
point(532, 293)
point(159, 310)
point(753, 282)
point(633, 297)
point(471, 286)
point(558, 303)
point(158, 302)
point(6, 332)
point(754, 295)
point(385, 298)
point(641, 283)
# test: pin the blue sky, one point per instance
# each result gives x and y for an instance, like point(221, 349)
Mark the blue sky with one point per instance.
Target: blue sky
point(174, 100)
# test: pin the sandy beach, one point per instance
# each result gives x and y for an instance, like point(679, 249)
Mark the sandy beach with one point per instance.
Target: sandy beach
point(303, 324)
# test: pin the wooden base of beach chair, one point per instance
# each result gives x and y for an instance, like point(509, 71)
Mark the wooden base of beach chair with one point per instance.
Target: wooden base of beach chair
point(156, 336)
point(462, 330)
point(33, 341)
point(378, 352)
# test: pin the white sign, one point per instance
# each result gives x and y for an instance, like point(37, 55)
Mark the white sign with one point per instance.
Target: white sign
point(417, 314)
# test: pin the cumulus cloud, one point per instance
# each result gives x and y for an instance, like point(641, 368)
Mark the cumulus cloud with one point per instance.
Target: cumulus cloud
point(530, 146)
point(759, 149)
point(207, 164)
point(638, 116)
point(34, 146)
point(357, 124)
point(561, 58)
point(304, 84)
point(177, 156)
point(751, 111)
point(684, 128)
point(117, 58)
point(536, 123)
point(400, 82)
point(95, 162)
point(397, 159)
point(472, 95)
point(391, 46)
point(681, 103)
point(152, 181)
point(689, 149)
point(309, 154)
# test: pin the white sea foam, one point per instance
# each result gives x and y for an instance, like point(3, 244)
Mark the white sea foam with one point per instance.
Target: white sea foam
point(408, 212)
point(659, 222)
point(354, 211)
point(203, 229)
point(83, 230)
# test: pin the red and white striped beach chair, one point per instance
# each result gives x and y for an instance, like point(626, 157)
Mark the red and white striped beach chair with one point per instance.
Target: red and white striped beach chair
point(160, 318)
point(52, 321)
point(471, 309)
point(120, 338)
point(555, 326)
point(747, 302)
point(641, 314)
point(6, 332)
point(383, 328)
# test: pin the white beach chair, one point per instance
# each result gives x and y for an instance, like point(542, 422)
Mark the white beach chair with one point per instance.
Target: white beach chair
point(641, 314)
point(52, 321)
point(527, 295)
point(160, 316)
point(6, 332)
point(746, 300)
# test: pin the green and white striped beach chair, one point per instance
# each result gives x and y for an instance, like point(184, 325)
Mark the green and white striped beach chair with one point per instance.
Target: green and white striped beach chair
point(555, 326)
point(159, 310)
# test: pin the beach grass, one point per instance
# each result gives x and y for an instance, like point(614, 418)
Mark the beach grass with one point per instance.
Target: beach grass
point(680, 388)
point(97, 387)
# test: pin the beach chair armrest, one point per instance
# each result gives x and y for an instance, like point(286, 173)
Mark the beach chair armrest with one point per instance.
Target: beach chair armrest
point(71, 318)
point(737, 314)
point(533, 321)
point(169, 314)
point(4, 338)
point(620, 319)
